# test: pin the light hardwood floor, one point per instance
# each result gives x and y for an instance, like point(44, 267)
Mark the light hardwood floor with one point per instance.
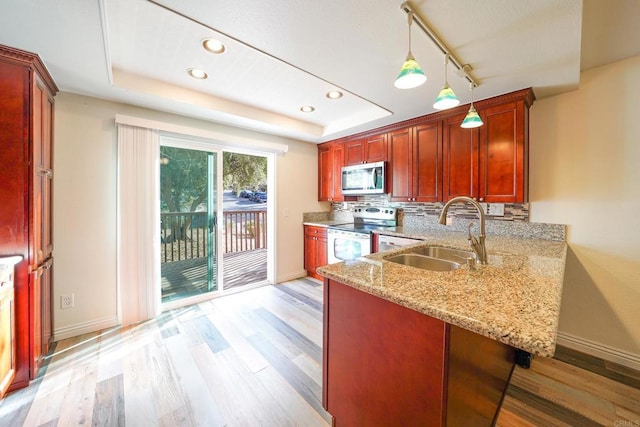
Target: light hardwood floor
point(254, 359)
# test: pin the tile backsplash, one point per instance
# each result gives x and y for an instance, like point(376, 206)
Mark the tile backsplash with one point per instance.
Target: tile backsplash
point(515, 212)
point(515, 221)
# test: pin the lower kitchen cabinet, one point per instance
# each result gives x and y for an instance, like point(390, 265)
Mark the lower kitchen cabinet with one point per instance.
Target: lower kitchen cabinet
point(315, 249)
point(384, 364)
point(7, 323)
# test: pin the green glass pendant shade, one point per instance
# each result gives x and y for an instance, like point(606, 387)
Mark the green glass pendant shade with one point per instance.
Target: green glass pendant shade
point(446, 99)
point(411, 75)
point(472, 120)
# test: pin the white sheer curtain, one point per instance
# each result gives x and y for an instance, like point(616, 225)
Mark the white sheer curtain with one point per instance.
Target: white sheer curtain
point(138, 223)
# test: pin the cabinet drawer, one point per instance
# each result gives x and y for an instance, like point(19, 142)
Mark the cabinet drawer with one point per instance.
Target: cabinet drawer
point(312, 230)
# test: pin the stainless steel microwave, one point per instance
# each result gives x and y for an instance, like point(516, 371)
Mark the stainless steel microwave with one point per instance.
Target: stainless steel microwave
point(367, 178)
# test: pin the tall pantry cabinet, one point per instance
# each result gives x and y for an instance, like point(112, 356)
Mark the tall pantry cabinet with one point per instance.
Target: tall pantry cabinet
point(26, 135)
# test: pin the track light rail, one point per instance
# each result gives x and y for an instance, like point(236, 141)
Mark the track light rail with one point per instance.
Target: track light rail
point(424, 26)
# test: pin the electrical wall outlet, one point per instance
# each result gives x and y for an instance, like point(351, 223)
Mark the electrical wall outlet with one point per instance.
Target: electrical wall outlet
point(66, 301)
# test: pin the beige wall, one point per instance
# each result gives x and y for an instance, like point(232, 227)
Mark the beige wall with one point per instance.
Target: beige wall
point(85, 205)
point(585, 172)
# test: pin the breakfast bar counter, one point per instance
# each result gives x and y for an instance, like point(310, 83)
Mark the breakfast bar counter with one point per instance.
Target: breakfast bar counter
point(514, 299)
point(442, 344)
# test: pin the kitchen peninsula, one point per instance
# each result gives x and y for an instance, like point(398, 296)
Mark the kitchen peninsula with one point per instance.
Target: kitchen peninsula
point(405, 345)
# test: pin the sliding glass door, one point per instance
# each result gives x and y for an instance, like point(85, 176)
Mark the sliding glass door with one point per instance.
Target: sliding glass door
point(189, 191)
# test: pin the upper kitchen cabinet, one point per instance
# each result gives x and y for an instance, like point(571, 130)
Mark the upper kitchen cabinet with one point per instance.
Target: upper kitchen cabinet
point(26, 126)
point(415, 163)
point(489, 163)
point(330, 162)
point(432, 159)
point(460, 159)
point(366, 150)
point(503, 156)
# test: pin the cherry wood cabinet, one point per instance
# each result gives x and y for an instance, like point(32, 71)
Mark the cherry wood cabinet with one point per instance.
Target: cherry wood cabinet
point(415, 163)
point(370, 149)
point(330, 162)
point(384, 364)
point(432, 159)
point(460, 159)
point(503, 149)
point(315, 249)
point(26, 128)
point(489, 163)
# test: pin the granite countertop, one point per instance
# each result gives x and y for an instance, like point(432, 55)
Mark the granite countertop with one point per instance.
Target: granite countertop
point(515, 299)
point(326, 223)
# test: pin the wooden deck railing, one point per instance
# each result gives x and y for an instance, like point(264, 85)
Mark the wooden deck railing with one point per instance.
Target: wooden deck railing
point(184, 234)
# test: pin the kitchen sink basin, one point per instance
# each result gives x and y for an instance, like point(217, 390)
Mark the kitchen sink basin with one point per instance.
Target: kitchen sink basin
point(424, 262)
point(455, 255)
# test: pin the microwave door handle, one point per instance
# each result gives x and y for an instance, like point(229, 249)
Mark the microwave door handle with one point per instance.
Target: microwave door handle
point(374, 178)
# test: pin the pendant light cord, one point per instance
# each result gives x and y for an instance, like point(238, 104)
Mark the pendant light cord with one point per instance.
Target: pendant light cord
point(410, 21)
point(446, 62)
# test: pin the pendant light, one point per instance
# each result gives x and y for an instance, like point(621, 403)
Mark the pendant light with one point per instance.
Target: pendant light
point(446, 98)
point(411, 75)
point(472, 120)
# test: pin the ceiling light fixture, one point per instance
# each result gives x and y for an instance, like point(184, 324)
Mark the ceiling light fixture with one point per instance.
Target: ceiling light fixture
point(307, 109)
point(472, 120)
point(411, 75)
point(197, 73)
point(213, 46)
point(334, 94)
point(446, 98)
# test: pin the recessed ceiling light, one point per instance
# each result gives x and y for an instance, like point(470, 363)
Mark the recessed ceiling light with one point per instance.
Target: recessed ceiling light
point(334, 94)
point(213, 46)
point(197, 73)
point(307, 109)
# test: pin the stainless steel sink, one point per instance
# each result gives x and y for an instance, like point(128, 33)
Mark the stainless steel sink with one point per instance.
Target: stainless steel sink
point(448, 254)
point(424, 262)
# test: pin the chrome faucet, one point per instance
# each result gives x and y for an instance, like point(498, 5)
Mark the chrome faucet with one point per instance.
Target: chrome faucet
point(477, 244)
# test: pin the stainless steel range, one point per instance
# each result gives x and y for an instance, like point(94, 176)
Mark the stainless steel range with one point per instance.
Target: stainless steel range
point(352, 241)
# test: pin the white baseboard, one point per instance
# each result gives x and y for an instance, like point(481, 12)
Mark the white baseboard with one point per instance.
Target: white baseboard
point(291, 276)
point(85, 327)
point(602, 351)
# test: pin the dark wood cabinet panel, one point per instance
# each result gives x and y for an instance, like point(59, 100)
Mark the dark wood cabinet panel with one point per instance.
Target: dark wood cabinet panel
point(26, 125)
point(330, 161)
point(427, 162)
point(503, 154)
point(376, 148)
point(325, 171)
point(460, 165)
point(354, 152)
point(384, 364)
point(315, 249)
point(370, 367)
point(366, 150)
point(400, 167)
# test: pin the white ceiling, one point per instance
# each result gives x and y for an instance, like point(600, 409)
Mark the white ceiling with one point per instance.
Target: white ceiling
point(282, 54)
